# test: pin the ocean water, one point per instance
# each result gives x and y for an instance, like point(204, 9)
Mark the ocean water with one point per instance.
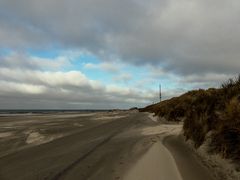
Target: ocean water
point(47, 111)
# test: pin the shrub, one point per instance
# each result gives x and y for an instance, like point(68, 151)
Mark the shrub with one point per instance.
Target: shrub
point(226, 141)
point(216, 110)
point(226, 138)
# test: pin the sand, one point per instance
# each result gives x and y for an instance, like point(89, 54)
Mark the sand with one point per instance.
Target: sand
point(153, 117)
point(189, 165)
point(157, 163)
point(168, 158)
point(109, 117)
point(129, 145)
point(5, 134)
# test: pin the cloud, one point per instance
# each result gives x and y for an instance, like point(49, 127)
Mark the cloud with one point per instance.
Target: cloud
point(185, 37)
point(54, 79)
point(106, 66)
point(21, 88)
point(205, 81)
point(123, 77)
point(117, 69)
point(40, 88)
point(25, 61)
point(182, 43)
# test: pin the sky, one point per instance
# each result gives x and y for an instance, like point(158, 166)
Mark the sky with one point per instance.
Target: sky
point(107, 54)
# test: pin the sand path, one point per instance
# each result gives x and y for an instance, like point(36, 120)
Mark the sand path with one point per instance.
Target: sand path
point(157, 163)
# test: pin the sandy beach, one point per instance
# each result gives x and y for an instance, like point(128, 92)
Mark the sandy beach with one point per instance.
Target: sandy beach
point(124, 145)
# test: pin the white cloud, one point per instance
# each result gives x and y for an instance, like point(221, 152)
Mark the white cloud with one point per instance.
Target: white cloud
point(105, 66)
point(13, 87)
point(123, 77)
point(70, 89)
point(49, 78)
point(25, 61)
point(56, 63)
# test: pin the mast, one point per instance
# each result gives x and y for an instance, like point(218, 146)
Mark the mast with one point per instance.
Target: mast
point(160, 93)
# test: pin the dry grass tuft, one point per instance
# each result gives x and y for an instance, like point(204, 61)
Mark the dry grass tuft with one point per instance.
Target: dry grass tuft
point(215, 110)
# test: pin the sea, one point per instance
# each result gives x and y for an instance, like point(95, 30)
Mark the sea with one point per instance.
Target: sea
point(48, 111)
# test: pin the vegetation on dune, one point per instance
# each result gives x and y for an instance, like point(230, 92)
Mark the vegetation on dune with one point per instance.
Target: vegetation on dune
point(204, 111)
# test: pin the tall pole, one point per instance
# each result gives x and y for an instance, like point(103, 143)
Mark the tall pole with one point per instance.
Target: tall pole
point(160, 92)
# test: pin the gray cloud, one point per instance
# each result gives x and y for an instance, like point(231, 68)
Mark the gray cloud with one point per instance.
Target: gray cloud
point(190, 43)
point(186, 37)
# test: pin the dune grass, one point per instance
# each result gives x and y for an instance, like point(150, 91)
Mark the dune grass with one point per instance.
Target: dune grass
point(203, 111)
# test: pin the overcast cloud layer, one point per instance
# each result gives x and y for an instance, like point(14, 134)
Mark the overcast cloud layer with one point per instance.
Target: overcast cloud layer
point(194, 43)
